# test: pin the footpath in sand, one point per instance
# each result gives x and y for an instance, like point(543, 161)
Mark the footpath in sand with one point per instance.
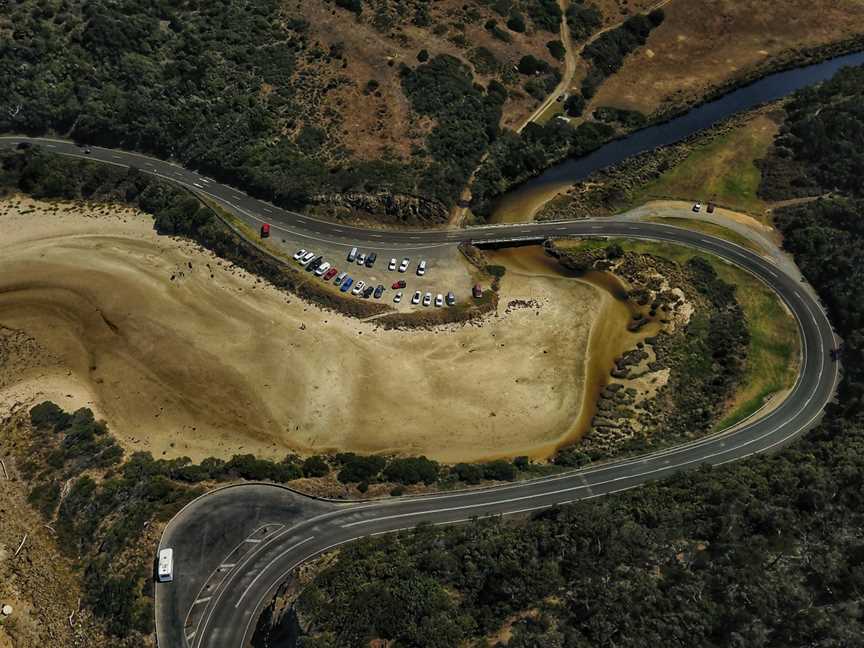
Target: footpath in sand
point(184, 354)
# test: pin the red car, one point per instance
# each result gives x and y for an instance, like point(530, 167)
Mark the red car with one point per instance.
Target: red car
point(398, 284)
point(330, 274)
point(265, 230)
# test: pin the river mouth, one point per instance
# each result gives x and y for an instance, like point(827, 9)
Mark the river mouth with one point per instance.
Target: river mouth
point(611, 335)
point(521, 203)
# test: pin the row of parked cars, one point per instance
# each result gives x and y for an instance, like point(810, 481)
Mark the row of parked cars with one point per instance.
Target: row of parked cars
point(362, 258)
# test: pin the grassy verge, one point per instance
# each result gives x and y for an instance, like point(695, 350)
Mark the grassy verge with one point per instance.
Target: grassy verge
point(772, 357)
point(711, 229)
point(723, 170)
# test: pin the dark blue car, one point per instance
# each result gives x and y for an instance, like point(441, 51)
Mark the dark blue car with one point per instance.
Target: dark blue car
point(346, 284)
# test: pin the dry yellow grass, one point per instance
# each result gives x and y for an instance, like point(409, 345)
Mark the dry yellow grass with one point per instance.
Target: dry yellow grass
point(703, 44)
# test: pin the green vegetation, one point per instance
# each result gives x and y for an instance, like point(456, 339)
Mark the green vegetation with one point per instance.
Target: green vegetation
point(583, 20)
point(763, 552)
point(725, 170)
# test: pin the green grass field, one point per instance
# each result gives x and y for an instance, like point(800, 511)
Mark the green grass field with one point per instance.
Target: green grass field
point(723, 170)
point(773, 354)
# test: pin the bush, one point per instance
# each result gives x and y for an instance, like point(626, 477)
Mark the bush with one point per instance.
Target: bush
point(574, 105)
point(48, 415)
point(499, 470)
point(468, 473)
point(516, 23)
point(556, 49)
point(356, 468)
point(315, 466)
point(351, 5)
point(423, 55)
point(530, 64)
point(412, 470)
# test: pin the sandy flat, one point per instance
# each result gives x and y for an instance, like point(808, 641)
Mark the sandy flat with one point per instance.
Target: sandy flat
point(214, 362)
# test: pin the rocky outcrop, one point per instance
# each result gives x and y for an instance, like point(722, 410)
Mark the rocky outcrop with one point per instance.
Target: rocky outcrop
point(390, 207)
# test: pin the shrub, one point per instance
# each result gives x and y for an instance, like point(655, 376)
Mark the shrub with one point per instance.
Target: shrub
point(556, 49)
point(516, 23)
point(412, 470)
point(468, 473)
point(423, 55)
point(499, 470)
point(359, 469)
point(315, 466)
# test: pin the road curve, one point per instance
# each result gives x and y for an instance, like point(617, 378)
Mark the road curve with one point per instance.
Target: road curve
point(227, 614)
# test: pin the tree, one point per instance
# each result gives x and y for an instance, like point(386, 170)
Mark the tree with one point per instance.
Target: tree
point(556, 49)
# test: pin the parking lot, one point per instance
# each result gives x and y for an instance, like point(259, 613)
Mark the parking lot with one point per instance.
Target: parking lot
point(408, 280)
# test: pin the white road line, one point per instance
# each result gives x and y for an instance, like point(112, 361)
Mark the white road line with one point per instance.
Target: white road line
point(252, 540)
point(202, 600)
point(269, 565)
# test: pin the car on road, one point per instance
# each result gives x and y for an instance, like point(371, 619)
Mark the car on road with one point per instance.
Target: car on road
point(710, 208)
point(427, 299)
point(451, 298)
point(352, 255)
point(370, 260)
point(346, 284)
point(368, 292)
point(166, 565)
point(397, 297)
point(697, 207)
point(299, 254)
point(306, 258)
point(398, 284)
point(392, 265)
point(379, 291)
point(416, 298)
point(340, 278)
point(358, 287)
point(322, 269)
point(87, 150)
point(265, 230)
point(421, 268)
point(330, 274)
point(361, 259)
point(477, 291)
point(439, 299)
point(404, 265)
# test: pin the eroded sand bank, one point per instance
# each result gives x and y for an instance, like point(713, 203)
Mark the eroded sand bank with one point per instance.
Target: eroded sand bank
point(215, 362)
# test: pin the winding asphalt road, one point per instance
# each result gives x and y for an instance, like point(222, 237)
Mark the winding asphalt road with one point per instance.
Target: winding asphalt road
point(239, 544)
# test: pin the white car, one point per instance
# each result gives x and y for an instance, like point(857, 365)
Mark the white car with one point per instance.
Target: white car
point(427, 299)
point(416, 298)
point(397, 297)
point(361, 259)
point(439, 300)
point(404, 265)
point(306, 258)
point(358, 288)
point(299, 254)
point(697, 207)
point(324, 267)
point(392, 266)
point(421, 268)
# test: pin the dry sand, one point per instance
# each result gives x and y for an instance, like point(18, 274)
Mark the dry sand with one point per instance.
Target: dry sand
point(215, 362)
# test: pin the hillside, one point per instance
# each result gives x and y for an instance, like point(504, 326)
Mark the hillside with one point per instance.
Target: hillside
point(302, 103)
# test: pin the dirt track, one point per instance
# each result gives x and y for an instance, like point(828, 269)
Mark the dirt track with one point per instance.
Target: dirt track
point(214, 362)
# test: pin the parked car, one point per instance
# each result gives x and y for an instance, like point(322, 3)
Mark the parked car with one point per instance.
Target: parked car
point(392, 265)
point(416, 298)
point(358, 288)
point(330, 274)
point(477, 291)
point(439, 299)
point(346, 284)
point(398, 284)
point(427, 299)
point(368, 292)
point(321, 269)
point(710, 208)
point(404, 265)
point(451, 298)
point(421, 268)
point(340, 278)
point(370, 260)
point(265, 230)
point(314, 263)
point(379, 291)
point(397, 297)
point(306, 258)
point(697, 207)
point(352, 255)
point(361, 259)
point(299, 254)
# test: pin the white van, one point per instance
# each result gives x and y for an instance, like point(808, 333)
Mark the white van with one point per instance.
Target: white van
point(352, 255)
point(166, 565)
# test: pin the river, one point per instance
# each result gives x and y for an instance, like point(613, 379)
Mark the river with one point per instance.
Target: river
point(521, 203)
